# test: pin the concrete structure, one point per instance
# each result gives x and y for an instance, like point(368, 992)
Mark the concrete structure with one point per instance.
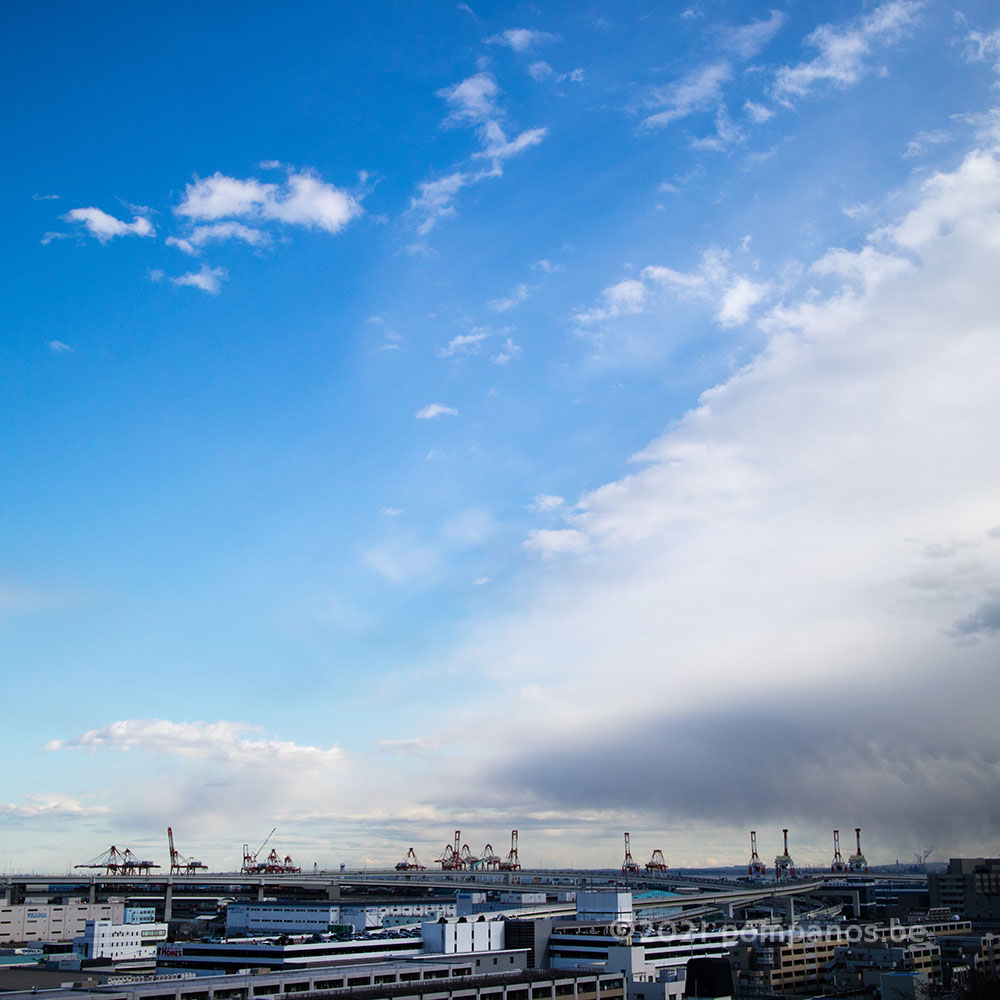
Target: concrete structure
point(607, 907)
point(652, 949)
point(54, 922)
point(645, 981)
point(455, 937)
point(970, 887)
point(234, 954)
point(255, 919)
point(902, 985)
point(121, 942)
point(459, 979)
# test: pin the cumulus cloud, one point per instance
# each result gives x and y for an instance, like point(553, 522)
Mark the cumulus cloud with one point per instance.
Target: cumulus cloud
point(522, 39)
point(106, 227)
point(231, 742)
point(626, 297)
point(819, 528)
point(433, 410)
point(546, 502)
point(208, 279)
point(218, 232)
point(304, 199)
point(843, 51)
point(473, 101)
point(59, 347)
point(734, 295)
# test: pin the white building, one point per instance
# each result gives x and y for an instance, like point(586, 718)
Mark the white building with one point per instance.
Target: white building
point(456, 937)
point(604, 907)
point(256, 919)
point(120, 942)
point(29, 922)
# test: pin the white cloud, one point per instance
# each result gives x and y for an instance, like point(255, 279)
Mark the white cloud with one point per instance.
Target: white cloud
point(757, 112)
point(507, 353)
point(218, 232)
point(699, 90)
point(391, 511)
point(433, 410)
point(540, 71)
point(59, 347)
point(831, 503)
point(473, 101)
point(463, 343)
point(747, 40)
point(522, 39)
point(559, 542)
point(983, 46)
point(738, 300)
point(624, 298)
point(61, 807)
point(503, 150)
point(435, 199)
point(545, 503)
point(923, 141)
point(106, 227)
point(208, 279)
point(734, 294)
point(547, 266)
point(843, 51)
point(304, 199)
point(516, 297)
point(225, 741)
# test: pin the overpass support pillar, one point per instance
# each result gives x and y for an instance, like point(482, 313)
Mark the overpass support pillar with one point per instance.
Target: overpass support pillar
point(168, 902)
point(93, 893)
point(790, 900)
point(260, 893)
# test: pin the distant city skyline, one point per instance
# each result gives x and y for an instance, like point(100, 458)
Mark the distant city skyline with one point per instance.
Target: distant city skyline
point(483, 416)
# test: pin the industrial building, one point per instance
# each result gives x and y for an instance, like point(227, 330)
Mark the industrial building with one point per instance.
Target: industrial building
point(253, 919)
point(25, 923)
point(120, 942)
point(970, 887)
point(462, 979)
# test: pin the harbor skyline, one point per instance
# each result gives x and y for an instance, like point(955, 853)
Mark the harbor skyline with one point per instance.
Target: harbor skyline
point(488, 417)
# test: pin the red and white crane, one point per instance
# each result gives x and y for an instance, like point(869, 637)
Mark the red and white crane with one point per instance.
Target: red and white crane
point(629, 866)
point(756, 868)
point(180, 865)
point(511, 863)
point(838, 866)
point(858, 862)
point(784, 866)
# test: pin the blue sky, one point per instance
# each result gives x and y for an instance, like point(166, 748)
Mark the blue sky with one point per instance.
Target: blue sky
point(577, 419)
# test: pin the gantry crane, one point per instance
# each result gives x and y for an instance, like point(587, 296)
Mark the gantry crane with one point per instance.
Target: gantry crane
point(756, 868)
point(115, 862)
point(784, 866)
point(857, 862)
point(410, 863)
point(656, 863)
point(180, 865)
point(511, 863)
point(838, 866)
point(629, 866)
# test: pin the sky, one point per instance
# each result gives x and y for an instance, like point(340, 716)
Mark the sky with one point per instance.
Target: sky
point(575, 418)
